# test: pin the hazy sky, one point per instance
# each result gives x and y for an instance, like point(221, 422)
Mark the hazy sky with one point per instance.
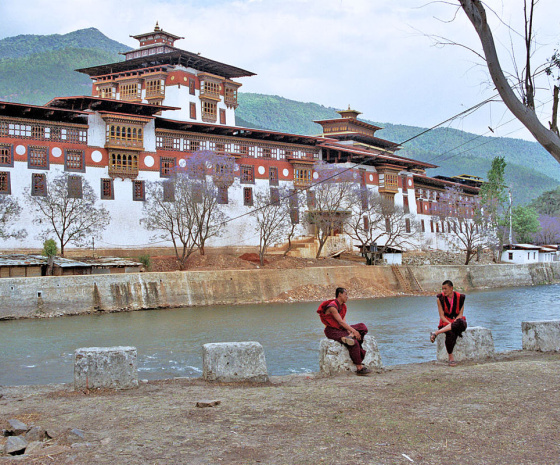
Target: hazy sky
point(372, 54)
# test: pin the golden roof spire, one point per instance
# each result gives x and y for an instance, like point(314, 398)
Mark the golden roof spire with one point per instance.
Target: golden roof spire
point(157, 29)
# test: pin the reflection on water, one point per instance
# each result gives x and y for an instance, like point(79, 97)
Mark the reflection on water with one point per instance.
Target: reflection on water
point(169, 341)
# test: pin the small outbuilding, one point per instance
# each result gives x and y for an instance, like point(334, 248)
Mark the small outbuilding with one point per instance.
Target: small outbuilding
point(520, 253)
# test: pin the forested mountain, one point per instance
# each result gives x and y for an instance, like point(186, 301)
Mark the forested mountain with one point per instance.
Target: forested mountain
point(34, 69)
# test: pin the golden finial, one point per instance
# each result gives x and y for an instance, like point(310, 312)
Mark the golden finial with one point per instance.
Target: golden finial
point(157, 27)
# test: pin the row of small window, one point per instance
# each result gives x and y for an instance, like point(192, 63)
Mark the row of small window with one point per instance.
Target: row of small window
point(43, 132)
point(407, 226)
point(183, 144)
point(38, 157)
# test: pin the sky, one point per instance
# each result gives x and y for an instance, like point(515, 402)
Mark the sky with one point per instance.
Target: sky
point(378, 56)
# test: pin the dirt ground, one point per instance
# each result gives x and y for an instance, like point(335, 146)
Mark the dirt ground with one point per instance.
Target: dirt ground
point(504, 411)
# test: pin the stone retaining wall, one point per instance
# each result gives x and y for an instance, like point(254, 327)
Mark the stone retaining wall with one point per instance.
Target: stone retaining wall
point(66, 295)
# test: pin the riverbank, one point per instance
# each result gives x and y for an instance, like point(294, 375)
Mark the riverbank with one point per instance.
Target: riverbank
point(73, 295)
point(498, 412)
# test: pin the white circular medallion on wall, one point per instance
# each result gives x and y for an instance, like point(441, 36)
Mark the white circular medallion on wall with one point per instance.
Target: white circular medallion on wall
point(182, 162)
point(315, 175)
point(261, 170)
point(371, 177)
point(56, 152)
point(285, 172)
point(20, 149)
point(96, 156)
point(149, 161)
point(410, 183)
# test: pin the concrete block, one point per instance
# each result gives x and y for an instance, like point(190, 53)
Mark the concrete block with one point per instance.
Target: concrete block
point(335, 359)
point(105, 367)
point(541, 335)
point(234, 361)
point(476, 344)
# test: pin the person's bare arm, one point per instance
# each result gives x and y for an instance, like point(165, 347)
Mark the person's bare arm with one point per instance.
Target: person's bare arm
point(351, 331)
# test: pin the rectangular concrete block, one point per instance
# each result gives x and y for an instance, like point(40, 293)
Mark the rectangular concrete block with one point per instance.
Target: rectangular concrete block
point(334, 358)
point(233, 362)
point(476, 344)
point(105, 367)
point(541, 335)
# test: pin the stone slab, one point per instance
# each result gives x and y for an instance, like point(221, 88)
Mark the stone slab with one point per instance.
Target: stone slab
point(477, 343)
point(233, 362)
point(105, 367)
point(334, 358)
point(543, 336)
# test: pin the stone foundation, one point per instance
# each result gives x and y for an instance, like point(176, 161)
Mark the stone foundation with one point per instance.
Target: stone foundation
point(541, 335)
point(105, 367)
point(233, 362)
point(476, 344)
point(335, 358)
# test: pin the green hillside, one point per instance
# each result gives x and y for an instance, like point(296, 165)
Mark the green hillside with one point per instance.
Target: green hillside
point(34, 69)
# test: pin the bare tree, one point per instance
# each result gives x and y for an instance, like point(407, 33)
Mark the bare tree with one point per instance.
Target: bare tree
point(67, 209)
point(205, 206)
point(331, 209)
point(468, 227)
point(550, 230)
point(522, 108)
point(168, 211)
point(271, 217)
point(9, 214)
point(377, 220)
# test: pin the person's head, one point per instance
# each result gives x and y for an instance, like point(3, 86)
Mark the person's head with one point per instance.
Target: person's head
point(447, 288)
point(341, 294)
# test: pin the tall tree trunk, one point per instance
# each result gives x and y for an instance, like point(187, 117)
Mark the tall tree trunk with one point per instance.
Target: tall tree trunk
point(547, 138)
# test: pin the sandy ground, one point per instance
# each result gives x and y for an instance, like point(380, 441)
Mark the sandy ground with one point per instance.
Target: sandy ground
point(502, 411)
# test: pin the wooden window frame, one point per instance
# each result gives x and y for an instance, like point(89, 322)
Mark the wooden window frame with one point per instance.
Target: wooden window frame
point(248, 196)
point(247, 174)
point(274, 195)
point(223, 195)
point(192, 86)
point(222, 116)
point(75, 187)
point(192, 110)
point(79, 167)
point(38, 184)
point(107, 189)
point(138, 191)
point(273, 175)
point(30, 157)
point(7, 155)
point(168, 191)
point(167, 166)
point(5, 183)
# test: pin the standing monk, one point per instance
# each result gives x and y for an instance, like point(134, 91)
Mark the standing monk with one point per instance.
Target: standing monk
point(333, 316)
point(451, 320)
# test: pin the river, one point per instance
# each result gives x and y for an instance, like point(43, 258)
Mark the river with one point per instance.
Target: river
point(169, 342)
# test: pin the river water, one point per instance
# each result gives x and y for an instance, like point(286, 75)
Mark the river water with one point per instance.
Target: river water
point(169, 342)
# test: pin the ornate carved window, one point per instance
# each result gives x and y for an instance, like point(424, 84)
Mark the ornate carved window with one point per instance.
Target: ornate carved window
point(247, 174)
point(6, 155)
point(155, 88)
point(248, 196)
point(138, 191)
point(107, 192)
point(38, 157)
point(74, 160)
point(75, 187)
point(302, 176)
point(123, 164)
point(167, 166)
point(273, 176)
point(38, 184)
point(5, 185)
point(131, 91)
point(209, 111)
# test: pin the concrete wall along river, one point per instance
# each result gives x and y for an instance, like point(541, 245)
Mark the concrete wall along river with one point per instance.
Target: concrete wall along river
point(70, 295)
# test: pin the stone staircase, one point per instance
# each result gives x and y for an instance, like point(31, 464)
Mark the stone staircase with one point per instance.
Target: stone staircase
point(407, 282)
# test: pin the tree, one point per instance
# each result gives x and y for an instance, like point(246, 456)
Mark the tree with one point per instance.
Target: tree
point(271, 217)
point(68, 210)
point(523, 109)
point(292, 212)
point(494, 201)
point(468, 225)
point(548, 203)
point(331, 205)
point(377, 220)
point(209, 217)
point(550, 230)
point(50, 250)
point(9, 214)
point(525, 224)
point(168, 211)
